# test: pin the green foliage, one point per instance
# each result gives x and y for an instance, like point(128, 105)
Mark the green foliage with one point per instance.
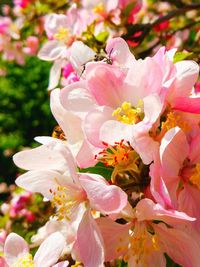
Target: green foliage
point(24, 110)
point(100, 169)
point(181, 56)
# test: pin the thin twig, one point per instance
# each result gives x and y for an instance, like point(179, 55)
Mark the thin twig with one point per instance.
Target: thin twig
point(138, 32)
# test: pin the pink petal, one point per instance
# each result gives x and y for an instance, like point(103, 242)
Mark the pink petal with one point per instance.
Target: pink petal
point(152, 108)
point(50, 250)
point(146, 209)
point(40, 182)
point(119, 52)
point(14, 248)
point(111, 5)
point(115, 131)
point(194, 154)
point(39, 158)
point(116, 237)
point(77, 99)
point(188, 200)
point(108, 92)
point(187, 104)
point(142, 84)
point(55, 74)
point(106, 198)
point(93, 122)
point(70, 124)
point(51, 50)
point(187, 72)
point(140, 142)
point(158, 187)
point(80, 55)
point(88, 233)
point(172, 143)
point(180, 246)
point(89, 150)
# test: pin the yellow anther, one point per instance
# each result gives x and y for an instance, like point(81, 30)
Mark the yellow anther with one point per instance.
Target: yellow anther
point(174, 120)
point(77, 263)
point(121, 156)
point(128, 114)
point(62, 34)
point(142, 245)
point(63, 202)
point(25, 261)
point(195, 178)
point(126, 105)
point(98, 8)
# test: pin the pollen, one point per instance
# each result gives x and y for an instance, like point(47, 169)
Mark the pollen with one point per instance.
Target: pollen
point(195, 178)
point(174, 120)
point(127, 114)
point(121, 156)
point(25, 261)
point(142, 245)
point(64, 202)
point(62, 34)
point(99, 9)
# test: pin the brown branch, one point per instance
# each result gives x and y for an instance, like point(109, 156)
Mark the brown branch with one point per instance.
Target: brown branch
point(138, 32)
point(175, 13)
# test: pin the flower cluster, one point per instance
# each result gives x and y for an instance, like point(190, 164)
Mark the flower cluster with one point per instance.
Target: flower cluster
point(122, 169)
point(92, 21)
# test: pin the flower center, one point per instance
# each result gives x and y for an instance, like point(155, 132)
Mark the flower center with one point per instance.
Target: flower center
point(25, 261)
point(121, 156)
point(195, 178)
point(142, 245)
point(61, 34)
point(99, 9)
point(65, 201)
point(128, 114)
point(174, 120)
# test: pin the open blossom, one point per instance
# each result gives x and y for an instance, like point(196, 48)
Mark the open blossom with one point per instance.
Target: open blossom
point(150, 232)
point(180, 171)
point(54, 175)
point(121, 109)
point(16, 252)
point(62, 30)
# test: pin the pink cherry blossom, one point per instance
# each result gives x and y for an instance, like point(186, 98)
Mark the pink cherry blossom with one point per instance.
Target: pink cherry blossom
point(151, 232)
point(16, 251)
point(53, 174)
point(179, 171)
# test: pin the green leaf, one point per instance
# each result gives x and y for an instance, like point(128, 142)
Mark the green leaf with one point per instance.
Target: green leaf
point(100, 169)
point(102, 37)
point(179, 56)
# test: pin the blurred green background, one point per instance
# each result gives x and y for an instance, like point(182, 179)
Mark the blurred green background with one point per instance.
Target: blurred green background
point(24, 110)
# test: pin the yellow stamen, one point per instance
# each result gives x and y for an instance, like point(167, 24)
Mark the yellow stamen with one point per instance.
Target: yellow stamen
point(77, 263)
point(121, 156)
point(62, 34)
point(127, 114)
point(142, 244)
point(195, 178)
point(64, 202)
point(99, 9)
point(25, 261)
point(174, 120)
